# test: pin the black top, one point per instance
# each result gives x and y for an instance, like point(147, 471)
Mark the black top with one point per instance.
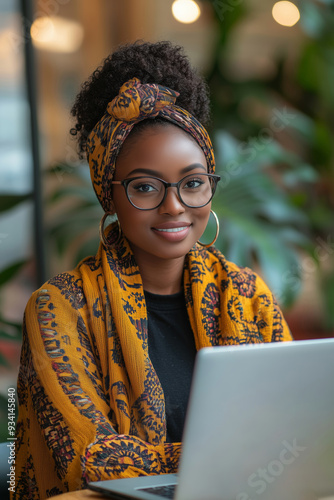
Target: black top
point(172, 350)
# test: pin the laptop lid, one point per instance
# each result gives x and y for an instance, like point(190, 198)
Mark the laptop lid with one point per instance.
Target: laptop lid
point(260, 425)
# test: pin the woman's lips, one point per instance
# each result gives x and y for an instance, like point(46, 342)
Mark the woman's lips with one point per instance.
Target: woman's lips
point(172, 231)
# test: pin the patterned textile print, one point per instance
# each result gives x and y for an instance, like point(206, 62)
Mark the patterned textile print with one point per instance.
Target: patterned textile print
point(26, 483)
point(117, 457)
point(121, 397)
point(69, 380)
point(181, 118)
point(53, 492)
point(116, 348)
point(24, 378)
point(123, 265)
point(50, 420)
point(26, 486)
point(54, 429)
point(249, 328)
point(244, 281)
point(278, 330)
point(149, 409)
point(147, 412)
point(72, 290)
point(211, 312)
point(89, 359)
point(134, 103)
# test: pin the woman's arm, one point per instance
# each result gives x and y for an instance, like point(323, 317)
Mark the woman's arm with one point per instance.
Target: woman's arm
point(67, 431)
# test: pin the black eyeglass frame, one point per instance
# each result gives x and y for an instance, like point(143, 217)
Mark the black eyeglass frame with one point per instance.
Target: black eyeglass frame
point(126, 182)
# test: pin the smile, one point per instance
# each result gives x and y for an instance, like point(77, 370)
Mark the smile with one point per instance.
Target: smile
point(173, 229)
point(172, 232)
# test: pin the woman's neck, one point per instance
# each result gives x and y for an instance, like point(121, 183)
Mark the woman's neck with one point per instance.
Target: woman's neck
point(160, 276)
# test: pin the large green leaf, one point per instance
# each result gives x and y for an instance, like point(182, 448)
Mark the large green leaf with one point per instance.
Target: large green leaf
point(8, 273)
point(71, 226)
point(248, 243)
point(261, 224)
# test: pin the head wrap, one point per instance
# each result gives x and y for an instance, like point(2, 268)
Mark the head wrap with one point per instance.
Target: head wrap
point(134, 103)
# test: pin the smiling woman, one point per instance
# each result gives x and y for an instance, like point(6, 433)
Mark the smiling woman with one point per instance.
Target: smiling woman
point(109, 347)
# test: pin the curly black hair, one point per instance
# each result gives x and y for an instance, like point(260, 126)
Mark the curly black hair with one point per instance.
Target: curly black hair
point(163, 63)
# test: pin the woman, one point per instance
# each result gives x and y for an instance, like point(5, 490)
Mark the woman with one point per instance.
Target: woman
point(109, 348)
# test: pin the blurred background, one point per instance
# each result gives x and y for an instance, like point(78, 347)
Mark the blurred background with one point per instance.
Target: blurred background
point(270, 69)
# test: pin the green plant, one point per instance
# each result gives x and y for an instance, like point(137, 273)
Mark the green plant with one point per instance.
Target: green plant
point(73, 225)
point(279, 129)
point(262, 223)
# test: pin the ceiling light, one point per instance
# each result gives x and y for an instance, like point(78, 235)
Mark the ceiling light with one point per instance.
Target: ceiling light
point(286, 13)
point(57, 34)
point(186, 11)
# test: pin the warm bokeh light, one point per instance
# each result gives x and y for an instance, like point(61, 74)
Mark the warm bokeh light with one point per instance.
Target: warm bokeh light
point(286, 13)
point(186, 11)
point(57, 34)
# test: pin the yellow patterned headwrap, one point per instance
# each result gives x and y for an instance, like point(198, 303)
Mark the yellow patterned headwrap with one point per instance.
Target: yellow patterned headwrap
point(134, 103)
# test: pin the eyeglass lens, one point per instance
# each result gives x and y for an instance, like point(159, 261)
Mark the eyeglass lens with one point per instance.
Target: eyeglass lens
point(148, 192)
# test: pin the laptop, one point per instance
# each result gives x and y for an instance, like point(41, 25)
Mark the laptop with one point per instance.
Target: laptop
point(259, 426)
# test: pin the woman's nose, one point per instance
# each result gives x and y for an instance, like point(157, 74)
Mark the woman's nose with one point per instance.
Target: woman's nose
point(172, 204)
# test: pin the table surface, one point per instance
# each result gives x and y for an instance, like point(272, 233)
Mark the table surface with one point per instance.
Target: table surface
point(89, 494)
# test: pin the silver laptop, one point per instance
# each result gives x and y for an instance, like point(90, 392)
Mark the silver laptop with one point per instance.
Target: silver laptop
point(259, 426)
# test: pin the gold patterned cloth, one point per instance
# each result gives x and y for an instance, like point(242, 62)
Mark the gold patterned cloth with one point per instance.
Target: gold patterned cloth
point(134, 103)
point(91, 406)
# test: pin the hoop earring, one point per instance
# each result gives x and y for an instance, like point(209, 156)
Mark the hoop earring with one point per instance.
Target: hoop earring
point(207, 245)
point(103, 238)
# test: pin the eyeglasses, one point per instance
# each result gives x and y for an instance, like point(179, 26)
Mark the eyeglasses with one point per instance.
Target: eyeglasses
point(148, 193)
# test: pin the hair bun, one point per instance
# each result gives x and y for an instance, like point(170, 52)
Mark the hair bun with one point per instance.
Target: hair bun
point(161, 63)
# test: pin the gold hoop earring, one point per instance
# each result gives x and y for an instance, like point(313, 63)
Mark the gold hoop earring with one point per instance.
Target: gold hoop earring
point(207, 245)
point(103, 238)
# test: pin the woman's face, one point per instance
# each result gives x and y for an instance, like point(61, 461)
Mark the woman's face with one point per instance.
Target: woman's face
point(169, 153)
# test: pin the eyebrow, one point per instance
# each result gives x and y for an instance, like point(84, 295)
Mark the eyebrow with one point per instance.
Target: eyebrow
point(155, 173)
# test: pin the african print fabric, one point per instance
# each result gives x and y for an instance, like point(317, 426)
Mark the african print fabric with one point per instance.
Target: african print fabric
point(134, 103)
point(91, 406)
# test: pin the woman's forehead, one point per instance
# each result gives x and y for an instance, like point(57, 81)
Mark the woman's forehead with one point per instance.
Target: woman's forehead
point(160, 148)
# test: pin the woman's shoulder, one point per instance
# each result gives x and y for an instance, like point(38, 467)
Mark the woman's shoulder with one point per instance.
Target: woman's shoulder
point(244, 280)
point(69, 284)
point(216, 257)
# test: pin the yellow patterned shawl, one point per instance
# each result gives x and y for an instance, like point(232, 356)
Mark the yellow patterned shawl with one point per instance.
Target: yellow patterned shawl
point(90, 404)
